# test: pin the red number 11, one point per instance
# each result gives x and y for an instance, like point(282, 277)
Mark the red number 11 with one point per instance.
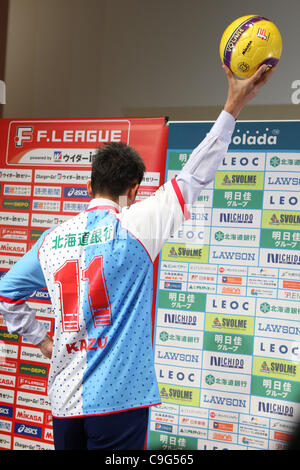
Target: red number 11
point(67, 277)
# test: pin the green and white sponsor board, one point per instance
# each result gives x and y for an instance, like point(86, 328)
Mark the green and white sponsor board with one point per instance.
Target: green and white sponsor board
point(227, 328)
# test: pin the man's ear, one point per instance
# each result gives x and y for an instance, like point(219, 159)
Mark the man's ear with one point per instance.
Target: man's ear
point(89, 188)
point(132, 192)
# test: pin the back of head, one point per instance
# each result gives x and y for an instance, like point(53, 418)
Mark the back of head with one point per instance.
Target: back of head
point(115, 168)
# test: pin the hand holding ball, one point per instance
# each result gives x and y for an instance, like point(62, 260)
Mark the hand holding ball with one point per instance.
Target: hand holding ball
point(249, 42)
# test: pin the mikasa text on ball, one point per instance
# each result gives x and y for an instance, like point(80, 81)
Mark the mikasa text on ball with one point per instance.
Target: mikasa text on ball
point(249, 42)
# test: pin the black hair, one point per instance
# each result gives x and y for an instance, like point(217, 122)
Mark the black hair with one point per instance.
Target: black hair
point(115, 167)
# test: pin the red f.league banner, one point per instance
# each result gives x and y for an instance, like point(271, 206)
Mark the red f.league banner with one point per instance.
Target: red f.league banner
point(45, 165)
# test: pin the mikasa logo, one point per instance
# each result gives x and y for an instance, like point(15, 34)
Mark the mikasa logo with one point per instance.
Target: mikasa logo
point(257, 139)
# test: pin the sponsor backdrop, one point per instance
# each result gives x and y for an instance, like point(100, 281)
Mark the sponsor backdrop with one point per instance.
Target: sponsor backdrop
point(45, 165)
point(227, 325)
point(226, 336)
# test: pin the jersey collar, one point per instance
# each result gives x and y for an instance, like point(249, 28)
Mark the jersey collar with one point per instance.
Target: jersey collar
point(104, 204)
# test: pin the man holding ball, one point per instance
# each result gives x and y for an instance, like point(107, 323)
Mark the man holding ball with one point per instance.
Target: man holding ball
point(97, 268)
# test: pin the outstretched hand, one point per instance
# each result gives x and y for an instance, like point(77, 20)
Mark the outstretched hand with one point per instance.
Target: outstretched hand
point(240, 92)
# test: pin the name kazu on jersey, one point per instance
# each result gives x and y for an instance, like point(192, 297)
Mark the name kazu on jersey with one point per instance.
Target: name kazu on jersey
point(91, 344)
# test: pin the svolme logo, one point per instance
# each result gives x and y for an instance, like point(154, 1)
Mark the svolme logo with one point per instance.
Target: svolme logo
point(277, 368)
point(268, 137)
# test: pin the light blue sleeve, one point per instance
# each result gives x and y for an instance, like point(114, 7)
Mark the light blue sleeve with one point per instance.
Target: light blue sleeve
point(25, 277)
point(16, 286)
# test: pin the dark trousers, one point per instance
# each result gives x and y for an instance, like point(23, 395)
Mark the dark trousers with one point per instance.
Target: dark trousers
point(117, 431)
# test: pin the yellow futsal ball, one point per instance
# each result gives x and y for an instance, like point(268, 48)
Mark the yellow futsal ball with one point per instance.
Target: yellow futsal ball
point(249, 42)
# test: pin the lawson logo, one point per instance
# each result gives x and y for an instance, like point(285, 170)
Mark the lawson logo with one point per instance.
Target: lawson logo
point(71, 192)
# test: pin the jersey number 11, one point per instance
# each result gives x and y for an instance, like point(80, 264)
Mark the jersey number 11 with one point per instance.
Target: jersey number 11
point(67, 277)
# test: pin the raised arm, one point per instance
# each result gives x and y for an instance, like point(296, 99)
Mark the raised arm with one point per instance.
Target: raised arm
point(204, 161)
point(153, 220)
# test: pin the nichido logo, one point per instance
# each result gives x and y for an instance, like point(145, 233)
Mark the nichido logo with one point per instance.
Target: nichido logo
point(265, 137)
